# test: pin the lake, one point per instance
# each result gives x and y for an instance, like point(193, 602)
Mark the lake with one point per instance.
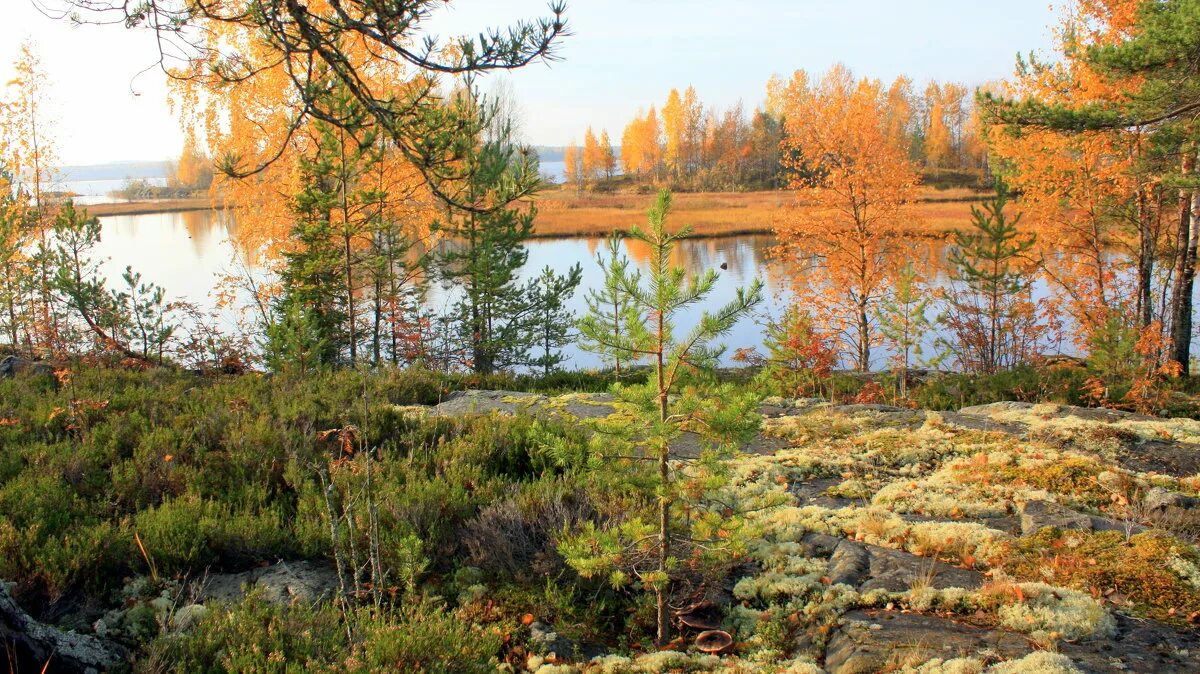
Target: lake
point(187, 253)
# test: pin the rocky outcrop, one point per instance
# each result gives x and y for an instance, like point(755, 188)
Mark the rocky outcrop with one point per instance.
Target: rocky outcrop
point(281, 583)
point(580, 406)
point(30, 646)
point(14, 366)
point(873, 641)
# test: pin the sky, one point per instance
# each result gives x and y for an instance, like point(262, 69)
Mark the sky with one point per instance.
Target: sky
point(623, 55)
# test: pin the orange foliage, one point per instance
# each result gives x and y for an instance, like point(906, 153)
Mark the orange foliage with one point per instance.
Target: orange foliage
point(249, 123)
point(858, 200)
point(640, 150)
point(1077, 186)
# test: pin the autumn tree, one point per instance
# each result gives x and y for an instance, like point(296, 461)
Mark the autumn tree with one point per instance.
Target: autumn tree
point(14, 241)
point(301, 47)
point(29, 160)
point(855, 183)
point(1101, 145)
point(592, 157)
point(193, 170)
point(648, 332)
point(608, 158)
point(641, 151)
point(573, 172)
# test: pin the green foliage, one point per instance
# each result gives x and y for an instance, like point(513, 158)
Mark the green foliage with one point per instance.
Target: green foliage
point(648, 331)
point(256, 637)
point(552, 319)
point(499, 320)
point(989, 316)
point(191, 533)
point(902, 321)
point(296, 339)
point(609, 304)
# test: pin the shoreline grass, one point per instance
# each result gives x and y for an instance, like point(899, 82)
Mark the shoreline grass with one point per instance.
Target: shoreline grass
point(563, 214)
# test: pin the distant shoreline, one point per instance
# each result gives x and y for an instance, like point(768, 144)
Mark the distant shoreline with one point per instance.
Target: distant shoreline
point(152, 207)
point(563, 214)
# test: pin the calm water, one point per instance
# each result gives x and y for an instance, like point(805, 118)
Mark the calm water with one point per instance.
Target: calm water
point(188, 253)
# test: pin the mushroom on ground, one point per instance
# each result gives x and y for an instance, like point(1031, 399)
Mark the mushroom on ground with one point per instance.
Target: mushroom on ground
point(714, 641)
point(700, 621)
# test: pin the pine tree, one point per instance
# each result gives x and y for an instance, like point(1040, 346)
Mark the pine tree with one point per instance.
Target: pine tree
point(611, 305)
point(553, 320)
point(495, 313)
point(649, 332)
point(990, 262)
point(312, 275)
point(903, 321)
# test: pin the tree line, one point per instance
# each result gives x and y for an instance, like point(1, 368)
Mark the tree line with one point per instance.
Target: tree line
point(690, 146)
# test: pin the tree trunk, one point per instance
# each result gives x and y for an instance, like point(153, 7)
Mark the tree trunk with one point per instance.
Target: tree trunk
point(1185, 272)
point(664, 504)
point(864, 336)
point(1145, 271)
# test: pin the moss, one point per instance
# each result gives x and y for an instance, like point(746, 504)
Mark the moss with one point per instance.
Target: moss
point(1139, 574)
point(1038, 662)
point(1049, 614)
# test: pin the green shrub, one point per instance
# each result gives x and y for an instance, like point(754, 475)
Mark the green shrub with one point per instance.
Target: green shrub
point(252, 637)
point(189, 533)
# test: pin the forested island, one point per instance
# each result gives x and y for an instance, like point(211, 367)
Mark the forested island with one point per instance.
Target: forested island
point(965, 439)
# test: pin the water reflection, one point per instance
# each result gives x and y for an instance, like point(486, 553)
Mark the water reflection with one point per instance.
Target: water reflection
point(188, 254)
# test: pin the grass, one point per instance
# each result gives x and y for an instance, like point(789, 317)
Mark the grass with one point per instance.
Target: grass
point(156, 206)
point(561, 212)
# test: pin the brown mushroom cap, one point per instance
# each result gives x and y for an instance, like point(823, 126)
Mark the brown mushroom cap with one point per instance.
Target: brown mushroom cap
point(713, 641)
point(699, 621)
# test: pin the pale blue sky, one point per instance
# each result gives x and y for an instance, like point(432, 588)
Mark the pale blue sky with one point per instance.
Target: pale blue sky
point(625, 54)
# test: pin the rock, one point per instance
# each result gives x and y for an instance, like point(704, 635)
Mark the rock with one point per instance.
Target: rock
point(543, 640)
point(27, 645)
point(1037, 514)
point(1172, 511)
point(1159, 499)
point(281, 583)
point(819, 545)
point(874, 641)
point(186, 617)
point(1141, 646)
point(897, 571)
point(849, 564)
point(462, 403)
point(12, 366)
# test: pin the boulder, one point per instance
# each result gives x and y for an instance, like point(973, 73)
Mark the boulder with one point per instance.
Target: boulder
point(13, 366)
point(1037, 514)
point(543, 640)
point(849, 564)
point(281, 583)
point(1172, 511)
point(27, 645)
point(897, 571)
